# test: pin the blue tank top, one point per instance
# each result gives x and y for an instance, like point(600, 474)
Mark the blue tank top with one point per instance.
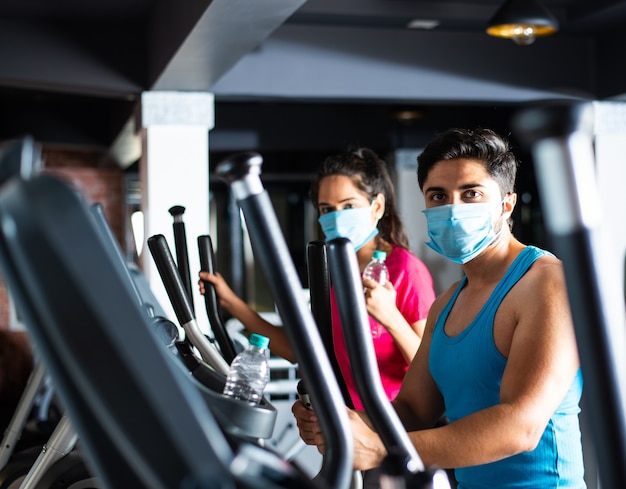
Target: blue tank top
point(468, 371)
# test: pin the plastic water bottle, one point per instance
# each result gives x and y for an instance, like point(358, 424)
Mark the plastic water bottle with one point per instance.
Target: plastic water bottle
point(376, 268)
point(249, 371)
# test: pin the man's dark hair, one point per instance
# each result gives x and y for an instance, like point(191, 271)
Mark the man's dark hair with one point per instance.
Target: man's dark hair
point(481, 145)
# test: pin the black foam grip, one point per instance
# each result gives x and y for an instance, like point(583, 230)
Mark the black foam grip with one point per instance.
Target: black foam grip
point(171, 278)
point(182, 255)
point(319, 289)
point(356, 330)
point(207, 263)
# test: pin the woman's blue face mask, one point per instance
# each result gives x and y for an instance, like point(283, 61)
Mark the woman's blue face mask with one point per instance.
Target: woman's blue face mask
point(460, 232)
point(354, 224)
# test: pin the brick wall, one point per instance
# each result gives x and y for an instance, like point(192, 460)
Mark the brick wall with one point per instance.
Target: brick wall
point(97, 178)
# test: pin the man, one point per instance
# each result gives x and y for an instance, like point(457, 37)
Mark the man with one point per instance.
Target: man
point(499, 355)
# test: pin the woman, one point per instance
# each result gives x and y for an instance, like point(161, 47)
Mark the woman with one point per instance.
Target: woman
point(355, 199)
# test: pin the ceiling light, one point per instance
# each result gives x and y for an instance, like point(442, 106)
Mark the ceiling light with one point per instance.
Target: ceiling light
point(522, 21)
point(407, 115)
point(426, 24)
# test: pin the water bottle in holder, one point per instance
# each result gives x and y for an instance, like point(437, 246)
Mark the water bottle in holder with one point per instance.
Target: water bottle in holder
point(376, 268)
point(249, 371)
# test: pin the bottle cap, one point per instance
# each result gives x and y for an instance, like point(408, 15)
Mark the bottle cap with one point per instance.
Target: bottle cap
point(259, 341)
point(381, 255)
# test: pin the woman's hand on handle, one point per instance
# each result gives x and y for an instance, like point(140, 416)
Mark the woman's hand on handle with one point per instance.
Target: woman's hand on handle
point(225, 294)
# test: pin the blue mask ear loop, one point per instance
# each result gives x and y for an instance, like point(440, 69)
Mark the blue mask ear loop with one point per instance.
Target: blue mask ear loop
point(372, 234)
point(367, 240)
point(377, 219)
point(505, 222)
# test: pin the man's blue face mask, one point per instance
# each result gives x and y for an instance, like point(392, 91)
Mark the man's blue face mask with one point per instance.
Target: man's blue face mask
point(353, 224)
point(461, 232)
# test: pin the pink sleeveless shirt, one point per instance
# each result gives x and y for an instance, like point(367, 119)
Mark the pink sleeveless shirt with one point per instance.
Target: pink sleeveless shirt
point(415, 294)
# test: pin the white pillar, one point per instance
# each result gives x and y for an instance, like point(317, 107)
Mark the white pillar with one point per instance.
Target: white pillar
point(610, 134)
point(174, 170)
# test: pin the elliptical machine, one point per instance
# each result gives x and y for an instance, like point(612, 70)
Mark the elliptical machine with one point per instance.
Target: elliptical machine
point(405, 468)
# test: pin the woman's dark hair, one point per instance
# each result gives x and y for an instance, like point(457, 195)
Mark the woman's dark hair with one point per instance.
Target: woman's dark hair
point(369, 174)
point(482, 145)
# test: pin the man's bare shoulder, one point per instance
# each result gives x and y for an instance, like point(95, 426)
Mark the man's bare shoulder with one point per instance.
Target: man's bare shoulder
point(547, 270)
point(544, 280)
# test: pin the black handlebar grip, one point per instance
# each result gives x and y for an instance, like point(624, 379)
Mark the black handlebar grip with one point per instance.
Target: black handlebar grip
point(319, 291)
point(171, 278)
point(344, 268)
point(207, 263)
point(182, 255)
point(304, 395)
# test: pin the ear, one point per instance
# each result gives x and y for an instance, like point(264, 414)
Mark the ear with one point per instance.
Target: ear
point(509, 204)
point(378, 206)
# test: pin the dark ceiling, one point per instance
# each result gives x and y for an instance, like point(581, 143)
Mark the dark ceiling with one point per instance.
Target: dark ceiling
point(576, 17)
point(72, 71)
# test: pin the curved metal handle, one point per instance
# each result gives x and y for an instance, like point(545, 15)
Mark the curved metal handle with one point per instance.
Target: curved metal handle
point(61, 442)
point(560, 136)
point(239, 167)
point(241, 171)
point(270, 250)
point(13, 431)
point(207, 263)
point(554, 120)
